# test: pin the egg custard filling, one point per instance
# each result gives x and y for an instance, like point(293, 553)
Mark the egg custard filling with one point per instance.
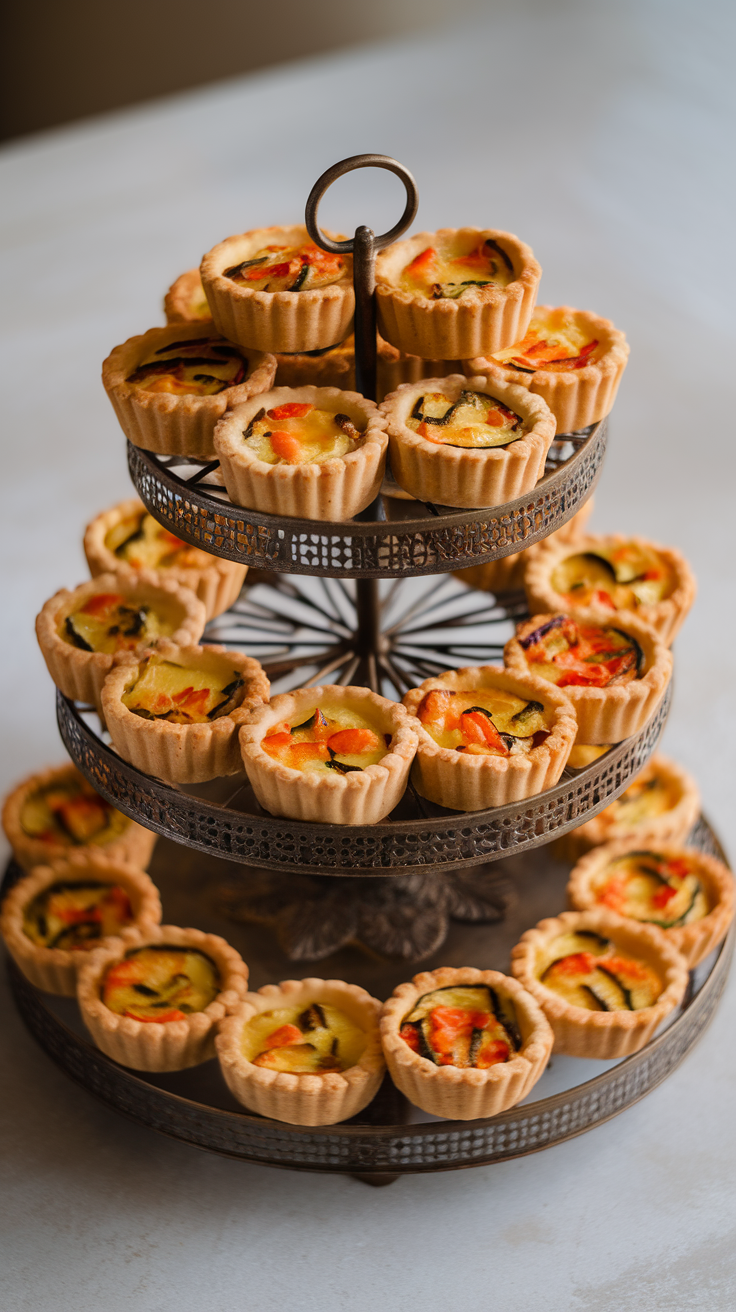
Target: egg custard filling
point(288, 269)
point(556, 342)
point(582, 655)
point(465, 1025)
point(663, 891)
point(621, 577)
point(141, 542)
point(473, 420)
point(184, 694)
point(334, 739)
point(484, 721)
point(299, 433)
point(70, 812)
point(309, 1040)
point(106, 622)
point(445, 272)
point(161, 983)
point(643, 801)
point(75, 916)
point(202, 366)
point(588, 971)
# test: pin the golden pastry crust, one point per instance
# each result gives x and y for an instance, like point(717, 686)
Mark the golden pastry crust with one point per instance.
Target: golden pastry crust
point(333, 490)
point(360, 798)
point(483, 320)
point(607, 715)
point(465, 1094)
point(696, 940)
point(665, 617)
point(172, 1045)
point(182, 753)
point(276, 321)
point(576, 397)
point(332, 368)
point(185, 301)
point(671, 826)
point(466, 782)
point(171, 424)
point(81, 674)
point(302, 1099)
point(54, 970)
point(605, 1035)
point(466, 476)
point(507, 574)
point(217, 583)
point(134, 845)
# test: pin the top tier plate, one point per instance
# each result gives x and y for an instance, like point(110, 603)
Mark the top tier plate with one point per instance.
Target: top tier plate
point(402, 537)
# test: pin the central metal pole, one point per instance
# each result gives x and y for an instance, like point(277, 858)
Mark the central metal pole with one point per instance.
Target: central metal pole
point(364, 283)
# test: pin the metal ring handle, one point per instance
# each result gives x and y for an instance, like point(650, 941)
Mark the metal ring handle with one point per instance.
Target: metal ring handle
point(346, 166)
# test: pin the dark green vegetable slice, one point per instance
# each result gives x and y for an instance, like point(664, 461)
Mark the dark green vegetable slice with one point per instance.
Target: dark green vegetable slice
point(76, 638)
point(228, 694)
point(245, 264)
point(527, 713)
point(316, 720)
point(301, 278)
point(340, 766)
point(248, 432)
point(312, 1018)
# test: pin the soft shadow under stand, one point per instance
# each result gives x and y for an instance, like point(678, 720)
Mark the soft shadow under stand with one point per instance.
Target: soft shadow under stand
point(312, 611)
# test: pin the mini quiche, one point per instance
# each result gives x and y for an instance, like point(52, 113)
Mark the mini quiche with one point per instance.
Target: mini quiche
point(584, 754)
point(684, 892)
point(335, 367)
point(464, 1043)
point(272, 289)
point(56, 915)
point(152, 998)
point(56, 812)
point(613, 573)
point(660, 806)
point(127, 537)
point(457, 292)
point(175, 712)
point(466, 441)
point(303, 1051)
point(507, 574)
point(487, 737)
point(82, 632)
point(311, 452)
point(603, 982)
point(572, 358)
point(185, 301)
point(615, 673)
point(333, 753)
point(170, 386)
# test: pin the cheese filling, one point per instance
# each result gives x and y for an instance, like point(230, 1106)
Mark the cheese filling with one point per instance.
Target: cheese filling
point(75, 916)
point(584, 754)
point(446, 271)
point(643, 801)
point(161, 983)
point(577, 655)
point(621, 577)
point(659, 890)
point(310, 1039)
point(484, 722)
point(330, 739)
point(298, 433)
point(143, 543)
point(473, 420)
point(288, 269)
point(557, 341)
point(184, 694)
point(588, 971)
point(200, 367)
point(108, 623)
point(70, 812)
point(463, 1025)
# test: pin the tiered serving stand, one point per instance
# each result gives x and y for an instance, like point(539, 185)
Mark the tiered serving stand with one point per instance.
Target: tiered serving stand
point(346, 603)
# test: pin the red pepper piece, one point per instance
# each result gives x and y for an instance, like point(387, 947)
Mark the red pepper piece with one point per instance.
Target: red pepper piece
point(292, 410)
point(286, 446)
point(101, 603)
point(477, 728)
point(353, 742)
point(422, 264)
point(282, 1037)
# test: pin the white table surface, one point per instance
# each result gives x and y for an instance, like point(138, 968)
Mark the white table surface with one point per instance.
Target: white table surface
point(602, 134)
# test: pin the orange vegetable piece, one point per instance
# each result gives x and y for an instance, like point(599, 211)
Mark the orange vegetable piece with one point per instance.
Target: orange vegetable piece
point(434, 705)
point(292, 410)
point(101, 603)
point(495, 418)
point(165, 1016)
point(287, 446)
point(352, 742)
point(301, 753)
point(578, 963)
point(492, 1054)
point(285, 1035)
point(428, 431)
point(421, 265)
point(477, 728)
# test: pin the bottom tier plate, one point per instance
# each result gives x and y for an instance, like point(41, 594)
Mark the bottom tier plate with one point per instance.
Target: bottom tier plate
point(390, 1137)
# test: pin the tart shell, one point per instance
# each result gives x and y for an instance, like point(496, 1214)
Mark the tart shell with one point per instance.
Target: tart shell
point(172, 1045)
point(605, 1035)
point(672, 826)
point(179, 297)
point(607, 715)
point(466, 476)
point(54, 970)
point(360, 798)
point(507, 574)
point(474, 783)
point(217, 584)
point(480, 322)
point(333, 490)
point(276, 321)
point(181, 753)
point(162, 421)
point(302, 1099)
point(134, 846)
point(81, 674)
point(665, 617)
point(694, 941)
point(465, 1094)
